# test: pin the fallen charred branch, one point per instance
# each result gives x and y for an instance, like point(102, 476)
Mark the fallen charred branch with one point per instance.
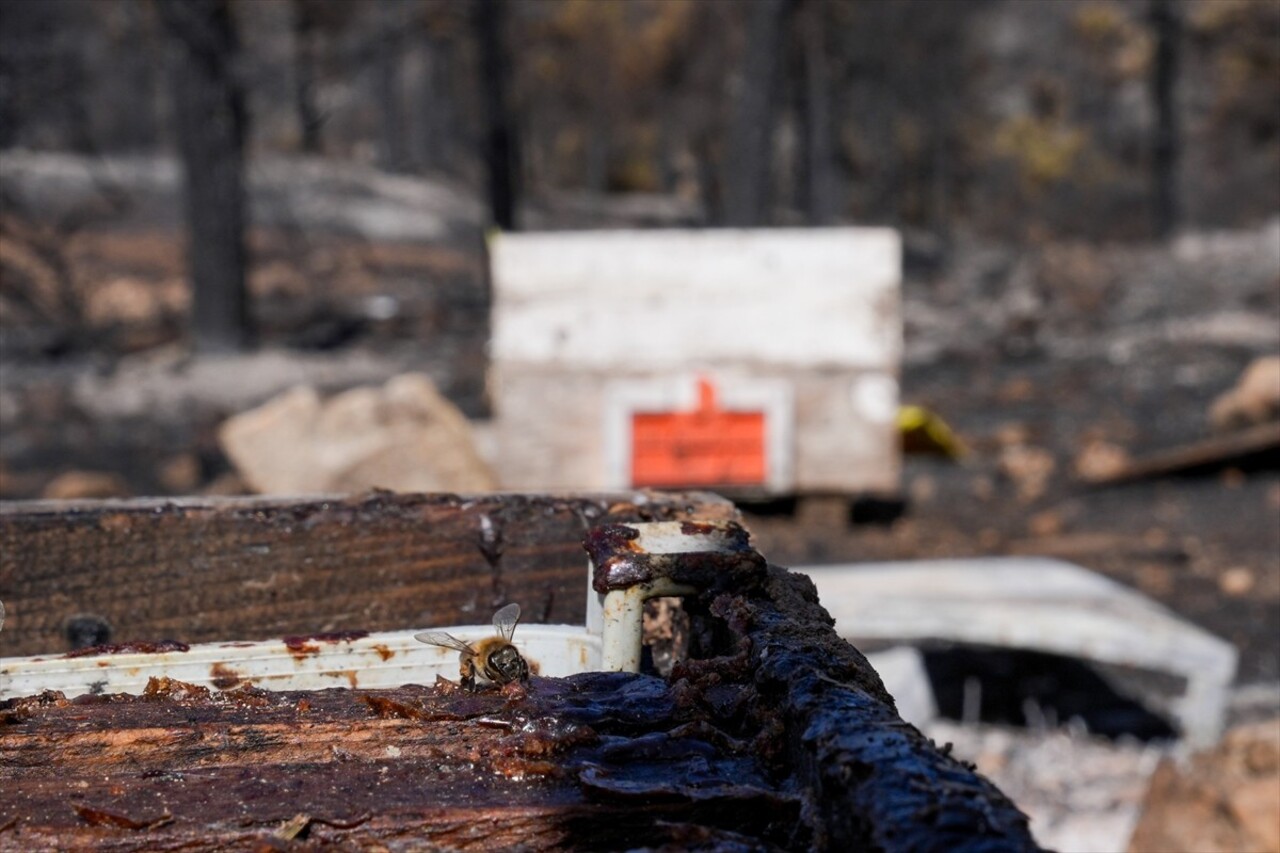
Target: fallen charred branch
point(1250, 448)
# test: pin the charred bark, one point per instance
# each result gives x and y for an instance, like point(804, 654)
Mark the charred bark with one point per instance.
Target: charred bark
point(500, 151)
point(304, 78)
point(819, 173)
point(1167, 29)
point(749, 161)
point(210, 112)
point(395, 125)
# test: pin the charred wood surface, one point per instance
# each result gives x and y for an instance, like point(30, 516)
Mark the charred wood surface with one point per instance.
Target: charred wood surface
point(247, 569)
point(872, 781)
point(597, 761)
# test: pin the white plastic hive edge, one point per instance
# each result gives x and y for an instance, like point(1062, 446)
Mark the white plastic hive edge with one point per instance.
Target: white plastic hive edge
point(381, 660)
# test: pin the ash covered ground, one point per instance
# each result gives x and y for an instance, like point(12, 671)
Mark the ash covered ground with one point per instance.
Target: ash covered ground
point(1049, 359)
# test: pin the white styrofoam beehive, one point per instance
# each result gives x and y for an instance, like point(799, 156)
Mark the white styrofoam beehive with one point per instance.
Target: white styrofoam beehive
point(800, 327)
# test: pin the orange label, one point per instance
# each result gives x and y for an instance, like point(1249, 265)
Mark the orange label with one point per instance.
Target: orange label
point(704, 447)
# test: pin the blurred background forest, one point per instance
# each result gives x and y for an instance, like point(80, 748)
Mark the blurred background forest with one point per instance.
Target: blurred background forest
point(1019, 121)
point(1016, 119)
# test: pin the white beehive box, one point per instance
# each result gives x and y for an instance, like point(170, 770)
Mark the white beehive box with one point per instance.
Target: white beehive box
point(754, 362)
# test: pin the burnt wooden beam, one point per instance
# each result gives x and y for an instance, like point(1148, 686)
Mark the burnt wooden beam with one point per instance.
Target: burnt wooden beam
point(250, 568)
point(774, 733)
point(592, 762)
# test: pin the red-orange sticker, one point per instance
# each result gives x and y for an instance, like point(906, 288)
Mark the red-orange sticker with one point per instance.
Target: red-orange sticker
point(708, 446)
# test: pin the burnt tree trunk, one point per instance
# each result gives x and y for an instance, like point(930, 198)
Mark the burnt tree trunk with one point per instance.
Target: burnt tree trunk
point(209, 107)
point(436, 118)
point(395, 126)
point(749, 164)
point(136, 129)
point(1167, 29)
point(596, 169)
point(304, 78)
point(819, 174)
point(500, 153)
point(710, 190)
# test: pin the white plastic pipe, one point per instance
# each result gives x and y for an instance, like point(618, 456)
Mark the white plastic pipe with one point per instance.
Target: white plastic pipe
point(622, 638)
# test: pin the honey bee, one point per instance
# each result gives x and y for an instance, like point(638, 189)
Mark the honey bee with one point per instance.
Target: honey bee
point(493, 659)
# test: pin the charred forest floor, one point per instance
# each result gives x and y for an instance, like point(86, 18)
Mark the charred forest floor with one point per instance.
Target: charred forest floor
point(1051, 361)
point(1041, 358)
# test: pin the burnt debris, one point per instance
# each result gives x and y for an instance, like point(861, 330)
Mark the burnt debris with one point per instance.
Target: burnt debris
point(772, 733)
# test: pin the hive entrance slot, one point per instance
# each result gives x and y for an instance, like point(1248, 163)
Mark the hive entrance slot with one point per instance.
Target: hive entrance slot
point(667, 628)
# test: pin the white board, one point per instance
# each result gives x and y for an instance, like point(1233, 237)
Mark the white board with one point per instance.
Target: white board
point(637, 300)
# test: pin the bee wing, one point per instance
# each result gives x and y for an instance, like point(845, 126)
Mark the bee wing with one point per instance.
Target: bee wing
point(505, 620)
point(440, 638)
